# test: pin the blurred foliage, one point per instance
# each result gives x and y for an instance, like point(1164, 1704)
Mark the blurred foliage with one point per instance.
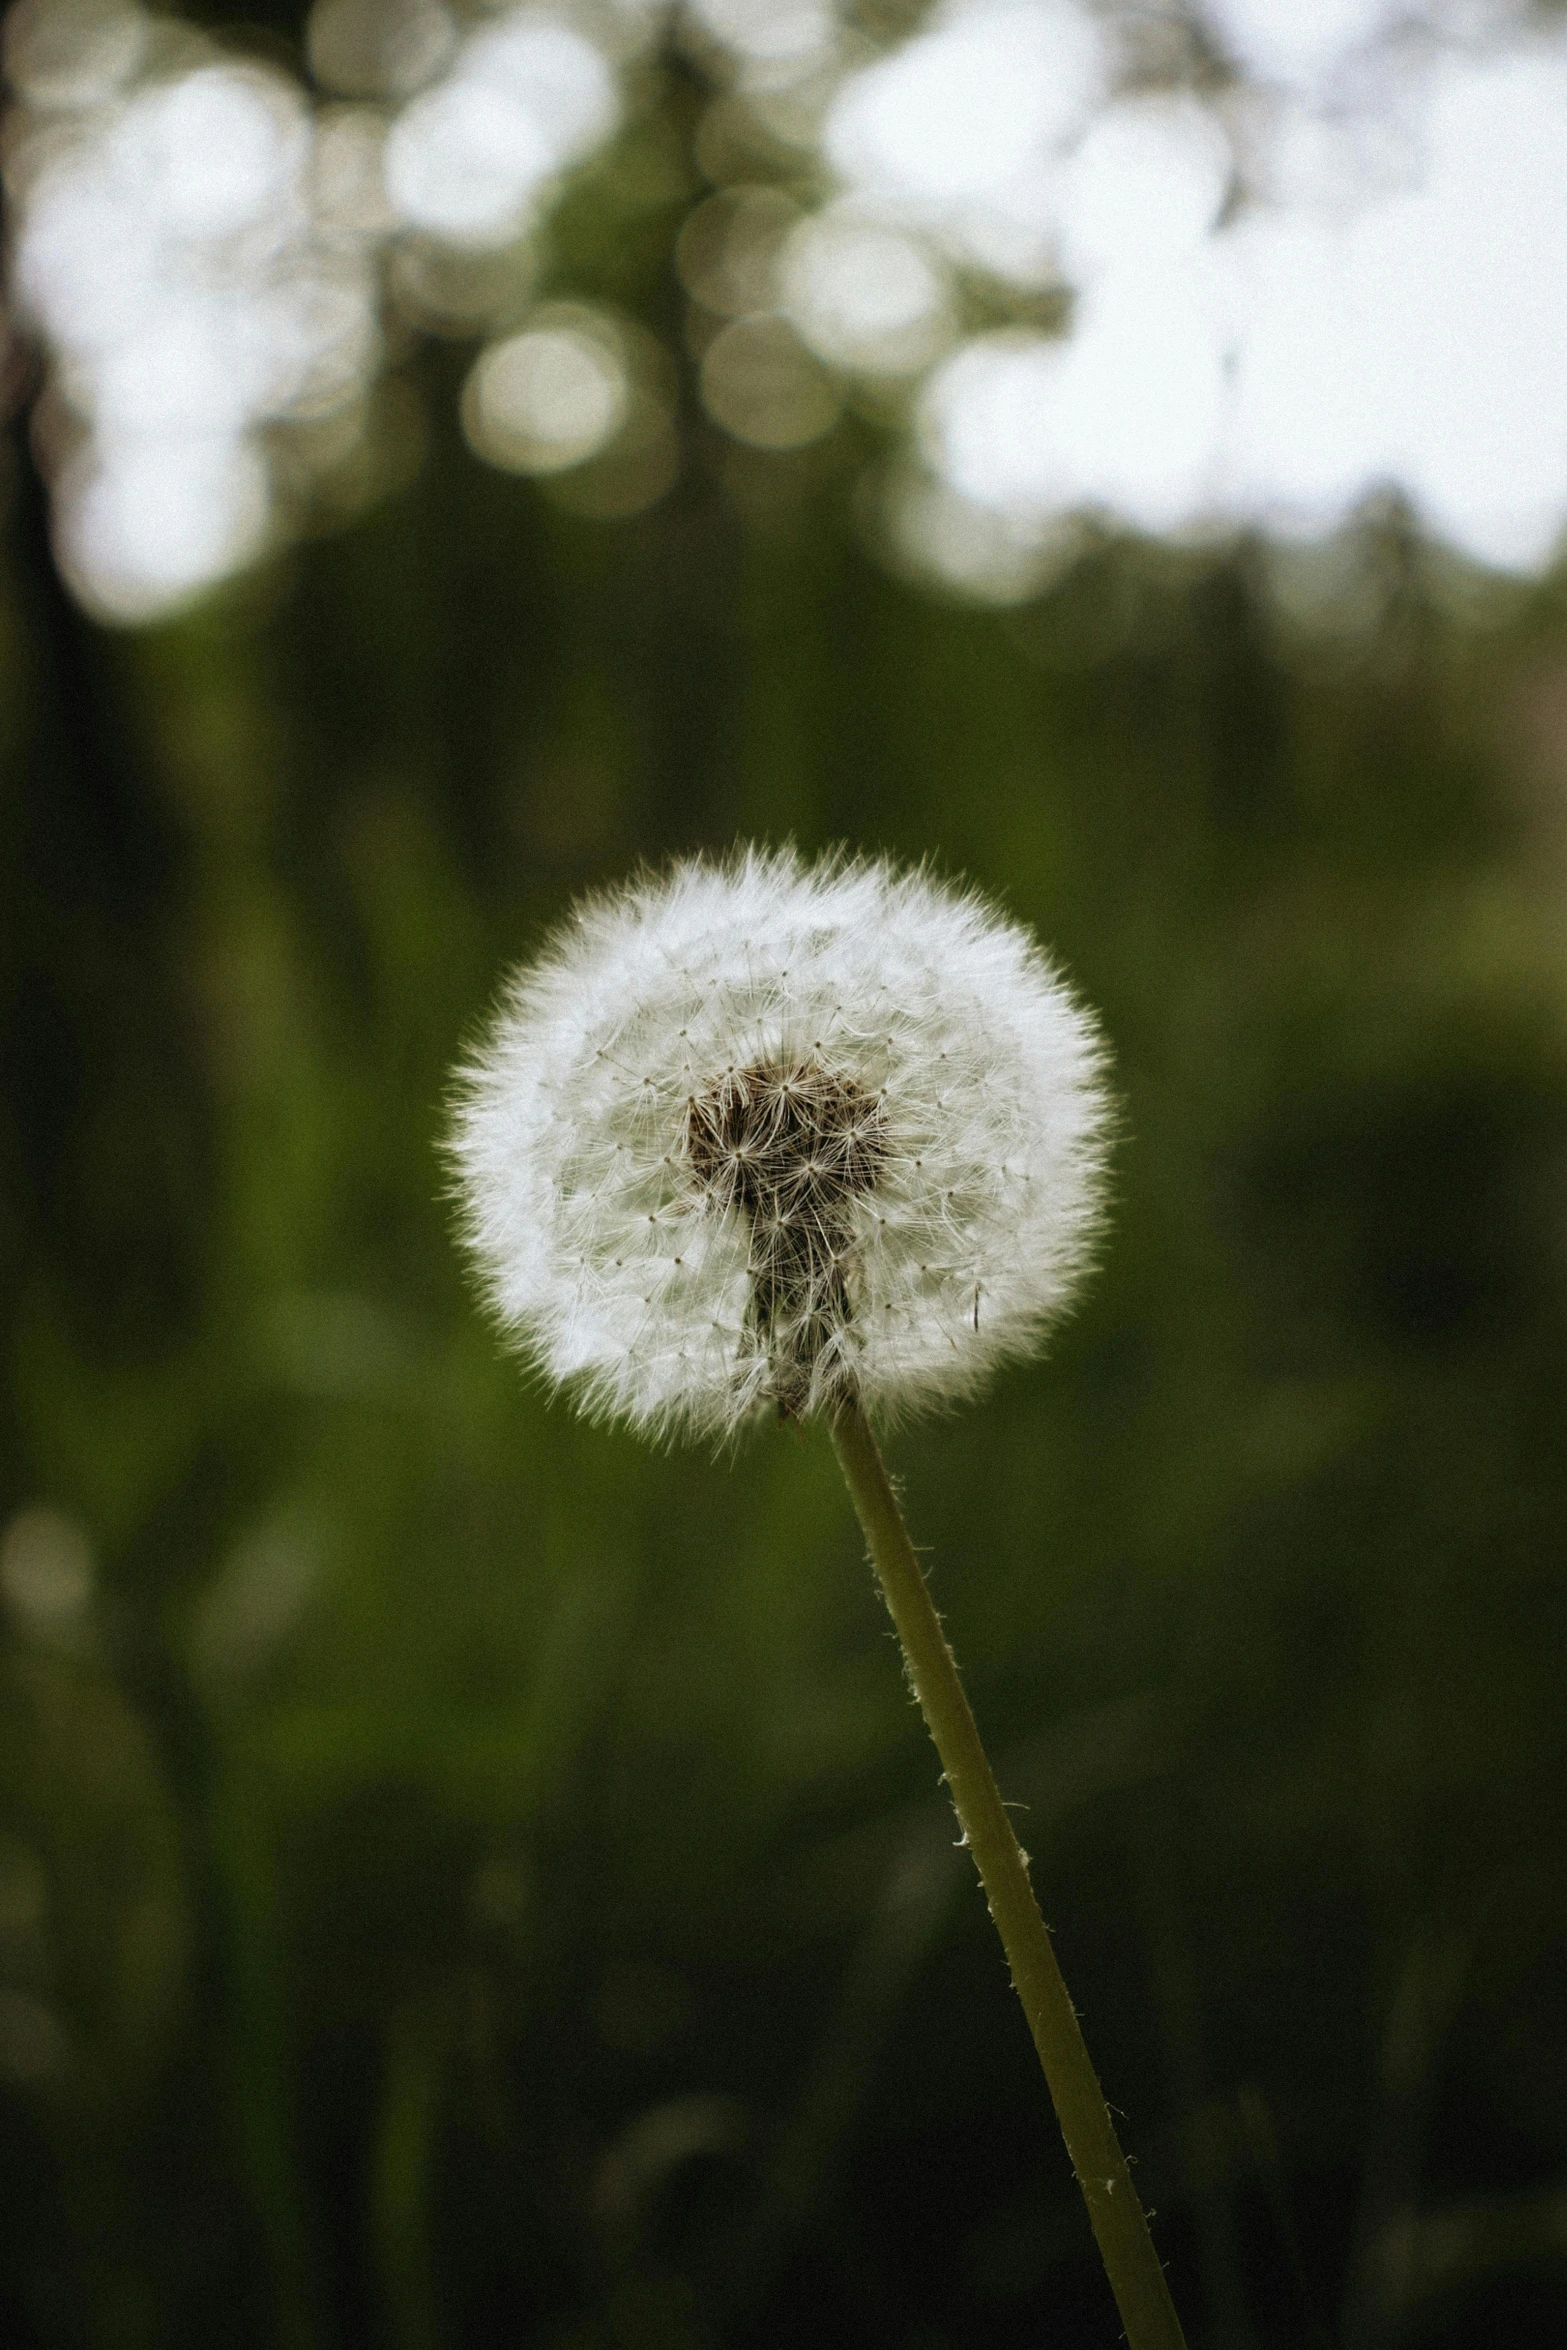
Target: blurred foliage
point(465, 1878)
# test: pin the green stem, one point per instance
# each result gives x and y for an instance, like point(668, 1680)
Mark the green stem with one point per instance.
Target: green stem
point(1136, 2278)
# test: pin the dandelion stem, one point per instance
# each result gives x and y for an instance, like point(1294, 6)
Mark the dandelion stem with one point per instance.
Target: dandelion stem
point(1136, 2278)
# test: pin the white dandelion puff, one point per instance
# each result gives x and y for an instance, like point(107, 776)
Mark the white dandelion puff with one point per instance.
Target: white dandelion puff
point(760, 1132)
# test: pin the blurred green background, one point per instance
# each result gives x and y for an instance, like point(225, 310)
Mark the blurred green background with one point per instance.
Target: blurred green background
point(466, 1878)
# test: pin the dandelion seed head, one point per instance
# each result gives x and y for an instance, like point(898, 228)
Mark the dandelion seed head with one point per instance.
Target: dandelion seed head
point(761, 1132)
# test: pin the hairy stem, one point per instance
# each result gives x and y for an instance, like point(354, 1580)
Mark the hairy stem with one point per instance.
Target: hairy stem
point(1136, 2278)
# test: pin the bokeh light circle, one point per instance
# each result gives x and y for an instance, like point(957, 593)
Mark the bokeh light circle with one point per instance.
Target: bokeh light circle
point(548, 398)
point(762, 385)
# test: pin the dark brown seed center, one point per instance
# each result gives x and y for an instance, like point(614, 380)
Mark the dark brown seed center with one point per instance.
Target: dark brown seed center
point(792, 1146)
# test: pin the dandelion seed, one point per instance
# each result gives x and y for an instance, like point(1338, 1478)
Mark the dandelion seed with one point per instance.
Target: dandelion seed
point(812, 1153)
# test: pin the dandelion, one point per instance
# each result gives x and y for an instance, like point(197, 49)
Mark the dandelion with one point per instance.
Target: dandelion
point(760, 1132)
point(826, 1140)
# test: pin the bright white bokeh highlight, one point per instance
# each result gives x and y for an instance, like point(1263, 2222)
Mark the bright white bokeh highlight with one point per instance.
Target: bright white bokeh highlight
point(865, 296)
point(1423, 342)
point(526, 96)
point(144, 522)
point(1297, 41)
point(961, 129)
point(199, 248)
point(581, 398)
point(1124, 414)
point(168, 252)
point(1238, 357)
point(1074, 301)
point(548, 398)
